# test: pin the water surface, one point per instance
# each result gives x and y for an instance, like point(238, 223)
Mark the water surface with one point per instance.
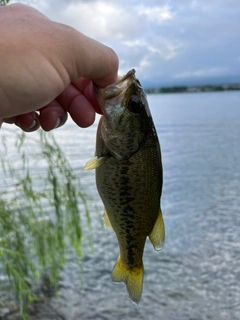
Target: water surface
point(197, 274)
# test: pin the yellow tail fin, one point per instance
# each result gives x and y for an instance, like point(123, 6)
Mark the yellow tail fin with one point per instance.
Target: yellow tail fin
point(132, 277)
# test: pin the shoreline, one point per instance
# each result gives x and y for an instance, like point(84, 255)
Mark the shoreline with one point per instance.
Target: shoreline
point(193, 89)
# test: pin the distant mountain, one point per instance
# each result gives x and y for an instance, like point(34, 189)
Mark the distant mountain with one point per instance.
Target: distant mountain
point(192, 89)
point(155, 83)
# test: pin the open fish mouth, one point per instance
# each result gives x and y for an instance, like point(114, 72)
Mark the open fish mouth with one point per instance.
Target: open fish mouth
point(122, 84)
point(130, 73)
point(116, 90)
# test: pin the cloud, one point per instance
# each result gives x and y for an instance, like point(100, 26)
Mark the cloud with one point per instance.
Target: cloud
point(157, 14)
point(165, 40)
point(103, 20)
point(203, 73)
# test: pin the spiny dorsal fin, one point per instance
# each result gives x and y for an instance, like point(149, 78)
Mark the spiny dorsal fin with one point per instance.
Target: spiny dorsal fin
point(157, 235)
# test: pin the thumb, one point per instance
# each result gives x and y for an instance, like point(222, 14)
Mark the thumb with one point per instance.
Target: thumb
point(85, 57)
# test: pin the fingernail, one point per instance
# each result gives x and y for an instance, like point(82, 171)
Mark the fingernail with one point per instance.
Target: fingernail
point(33, 124)
point(57, 123)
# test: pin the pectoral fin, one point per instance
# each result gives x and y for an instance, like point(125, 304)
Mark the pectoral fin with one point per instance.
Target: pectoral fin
point(106, 219)
point(157, 235)
point(94, 163)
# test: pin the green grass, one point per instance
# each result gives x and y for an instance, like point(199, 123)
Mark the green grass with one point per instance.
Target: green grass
point(40, 212)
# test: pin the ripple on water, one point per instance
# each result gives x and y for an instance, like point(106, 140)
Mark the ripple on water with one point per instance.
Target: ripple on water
point(197, 274)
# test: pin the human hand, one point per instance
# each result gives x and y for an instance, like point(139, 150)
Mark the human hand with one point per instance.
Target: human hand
point(47, 70)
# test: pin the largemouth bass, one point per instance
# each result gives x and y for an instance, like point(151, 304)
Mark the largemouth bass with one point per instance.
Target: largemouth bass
point(129, 177)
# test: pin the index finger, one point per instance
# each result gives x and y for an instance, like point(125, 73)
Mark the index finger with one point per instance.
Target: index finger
point(80, 103)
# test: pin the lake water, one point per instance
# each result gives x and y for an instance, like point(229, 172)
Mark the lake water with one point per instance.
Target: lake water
point(197, 274)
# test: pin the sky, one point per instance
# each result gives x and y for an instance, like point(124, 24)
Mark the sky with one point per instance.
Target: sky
point(178, 42)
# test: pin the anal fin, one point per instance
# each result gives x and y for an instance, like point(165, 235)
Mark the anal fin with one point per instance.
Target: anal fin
point(157, 235)
point(106, 219)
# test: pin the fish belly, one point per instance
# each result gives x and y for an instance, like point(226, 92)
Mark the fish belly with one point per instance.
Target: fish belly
point(130, 190)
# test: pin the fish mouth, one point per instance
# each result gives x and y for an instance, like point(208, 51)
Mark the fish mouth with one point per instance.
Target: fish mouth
point(119, 86)
point(114, 93)
point(121, 80)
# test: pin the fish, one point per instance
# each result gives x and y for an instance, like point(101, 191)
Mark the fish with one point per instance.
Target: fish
point(129, 177)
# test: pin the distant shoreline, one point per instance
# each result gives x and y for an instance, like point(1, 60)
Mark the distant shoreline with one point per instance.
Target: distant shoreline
point(194, 89)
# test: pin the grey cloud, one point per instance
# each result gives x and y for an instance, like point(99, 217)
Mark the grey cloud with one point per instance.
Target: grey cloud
point(200, 39)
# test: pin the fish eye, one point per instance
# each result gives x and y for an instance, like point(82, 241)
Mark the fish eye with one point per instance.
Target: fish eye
point(134, 104)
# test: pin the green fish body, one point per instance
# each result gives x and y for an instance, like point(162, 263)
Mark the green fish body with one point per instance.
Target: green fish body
point(129, 177)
